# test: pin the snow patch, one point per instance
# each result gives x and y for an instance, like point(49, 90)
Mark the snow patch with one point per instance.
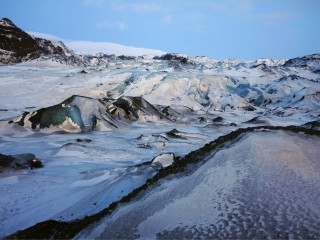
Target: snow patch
point(164, 160)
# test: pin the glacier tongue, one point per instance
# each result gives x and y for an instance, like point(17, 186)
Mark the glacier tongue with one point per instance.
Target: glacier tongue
point(122, 114)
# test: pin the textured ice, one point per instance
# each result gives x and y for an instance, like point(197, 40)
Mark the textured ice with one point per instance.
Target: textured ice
point(83, 172)
point(265, 185)
point(108, 155)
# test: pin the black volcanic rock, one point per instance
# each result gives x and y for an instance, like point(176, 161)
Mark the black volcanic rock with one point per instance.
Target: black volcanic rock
point(18, 46)
point(21, 161)
point(217, 119)
point(310, 62)
point(314, 125)
point(175, 60)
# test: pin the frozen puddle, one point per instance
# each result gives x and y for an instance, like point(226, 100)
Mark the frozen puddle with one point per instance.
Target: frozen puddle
point(266, 185)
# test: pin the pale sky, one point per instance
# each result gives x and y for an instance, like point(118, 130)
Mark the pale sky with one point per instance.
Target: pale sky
point(219, 29)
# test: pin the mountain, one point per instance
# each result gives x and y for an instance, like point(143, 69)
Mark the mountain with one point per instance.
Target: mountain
point(18, 46)
point(15, 44)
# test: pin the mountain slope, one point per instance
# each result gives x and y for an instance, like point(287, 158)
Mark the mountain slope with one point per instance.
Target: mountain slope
point(18, 46)
point(15, 44)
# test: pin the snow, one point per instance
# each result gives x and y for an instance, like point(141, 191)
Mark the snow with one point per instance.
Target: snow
point(269, 189)
point(77, 174)
point(85, 170)
point(111, 48)
point(5, 23)
point(45, 36)
point(164, 160)
point(88, 47)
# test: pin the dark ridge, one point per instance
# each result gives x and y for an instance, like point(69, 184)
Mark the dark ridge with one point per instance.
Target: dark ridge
point(175, 60)
point(52, 229)
point(256, 120)
point(314, 125)
point(126, 106)
point(123, 57)
point(263, 67)
point(250, 108)
point(83, 140)
point(202, 119)
point(21, 121)
point(72, 98)
point(214, 125)
point(173, 134)
point(144, 106)
point(172, 56)
point(217, 119)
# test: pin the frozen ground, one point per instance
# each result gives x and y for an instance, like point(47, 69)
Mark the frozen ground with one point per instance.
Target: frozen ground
point(201, 100)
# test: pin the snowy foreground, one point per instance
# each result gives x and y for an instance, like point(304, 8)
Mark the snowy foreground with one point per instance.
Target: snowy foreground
point(102, 132)
point(264, 185)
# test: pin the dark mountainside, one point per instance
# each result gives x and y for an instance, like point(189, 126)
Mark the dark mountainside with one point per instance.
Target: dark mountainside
point(20, 46)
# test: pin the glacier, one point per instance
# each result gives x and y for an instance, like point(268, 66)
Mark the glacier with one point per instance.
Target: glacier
point(97, 133)
point(148, 147)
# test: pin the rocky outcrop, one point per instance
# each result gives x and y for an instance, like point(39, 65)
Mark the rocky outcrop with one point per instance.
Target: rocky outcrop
point(18, 46)
point(21, 161)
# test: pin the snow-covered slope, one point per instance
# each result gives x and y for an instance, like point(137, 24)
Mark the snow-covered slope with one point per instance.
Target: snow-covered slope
point(111, 48)
point(93, 48)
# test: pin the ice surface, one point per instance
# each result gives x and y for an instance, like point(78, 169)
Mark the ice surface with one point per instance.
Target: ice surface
point(85, 171)
point(270, 190)
point(80, 177)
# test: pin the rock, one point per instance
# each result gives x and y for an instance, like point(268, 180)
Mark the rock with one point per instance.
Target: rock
point(18, 46)
point(257, 120)
point(174, 133)
point(217, 119)
point(314, 125)
point(21, 161)
point(83, 140)
point(202, 119)
point(250, 108)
